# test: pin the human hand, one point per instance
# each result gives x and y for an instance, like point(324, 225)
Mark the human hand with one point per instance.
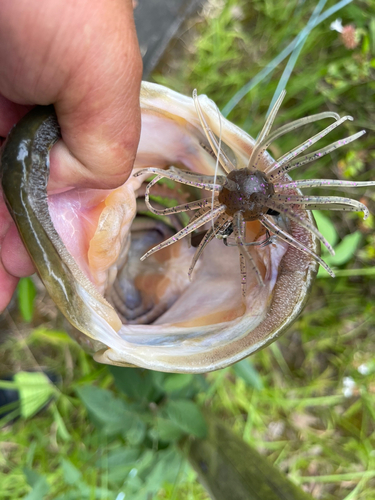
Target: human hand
point(82, 56)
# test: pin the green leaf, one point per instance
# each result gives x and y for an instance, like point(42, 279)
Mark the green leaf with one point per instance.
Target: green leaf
point(43, 334)
point(167, 430)
point(139, 473)
point(345, 250)
point(35, 389)
point(136, 433)
point(26, 297)
point(30, 454)
point(119, 458)
point(177, 381)
point(151, 472)
point(187, 416)
point(71, 474)
point(158, 380)
point(61, 427)
point(136, 383)
point(173, 462)
point(164, 201)
point(39, 485)
point(245, 370)
point(166, 468)
point(32, 477)
point(326, 227)
point(9, 385)
point(167, 182)
point(182, 386)
point(109, 413)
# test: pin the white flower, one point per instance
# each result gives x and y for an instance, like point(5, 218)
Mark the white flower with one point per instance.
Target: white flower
point(336, 25)
point(363, 369)
point(348, 386)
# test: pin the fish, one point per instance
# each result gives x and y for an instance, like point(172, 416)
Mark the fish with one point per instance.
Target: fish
point(87, 244)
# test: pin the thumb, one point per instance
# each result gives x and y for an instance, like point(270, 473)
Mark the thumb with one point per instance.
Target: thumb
point(98, 107)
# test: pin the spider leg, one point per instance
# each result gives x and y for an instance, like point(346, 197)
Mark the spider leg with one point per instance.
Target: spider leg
point(238, 229)
point(326, 203)
point(262, 146)
point(283, 160)
point(269, 225)
point(227, 244)
point(299, 220)
point(268, 241)
point(185, 177)
point(269, 122)
point(209, 236)
point(315, 155)
point(220, 180)
point(193, 205)
point(264, 243)
point(200, 221)
point(243, 273)
point(330, 183)
point(194, 217)
point(223, 158)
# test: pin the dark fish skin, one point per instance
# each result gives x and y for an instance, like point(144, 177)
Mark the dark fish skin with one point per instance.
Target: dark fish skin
point(229, 468)
point(25, 172)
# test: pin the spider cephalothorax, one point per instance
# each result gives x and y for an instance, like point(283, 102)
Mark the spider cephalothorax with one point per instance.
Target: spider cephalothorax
point(244, 192)
point(249, 194)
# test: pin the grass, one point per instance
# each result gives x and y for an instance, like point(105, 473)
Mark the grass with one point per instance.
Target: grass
point(309, 406)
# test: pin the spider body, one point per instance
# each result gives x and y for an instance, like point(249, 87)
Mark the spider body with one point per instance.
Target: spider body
point(225, 231)
point(250, 194)
point(246, 193)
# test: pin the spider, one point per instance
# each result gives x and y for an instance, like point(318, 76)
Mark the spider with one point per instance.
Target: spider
point(250, 194)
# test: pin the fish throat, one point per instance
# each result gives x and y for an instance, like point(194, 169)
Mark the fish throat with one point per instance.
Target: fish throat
point(245, 192)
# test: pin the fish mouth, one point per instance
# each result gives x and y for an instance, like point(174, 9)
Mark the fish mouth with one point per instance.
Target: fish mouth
point(149, 313)
point(108, 232)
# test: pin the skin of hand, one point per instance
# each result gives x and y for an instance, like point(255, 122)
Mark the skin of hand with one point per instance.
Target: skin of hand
point(83, 57)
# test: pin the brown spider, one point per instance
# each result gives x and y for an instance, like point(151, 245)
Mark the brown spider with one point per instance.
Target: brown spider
point(250, 194)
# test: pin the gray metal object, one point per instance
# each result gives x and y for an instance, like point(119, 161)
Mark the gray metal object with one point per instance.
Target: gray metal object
point(157, 22)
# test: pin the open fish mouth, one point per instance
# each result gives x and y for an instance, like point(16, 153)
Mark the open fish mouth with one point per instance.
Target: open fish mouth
point(87, 244)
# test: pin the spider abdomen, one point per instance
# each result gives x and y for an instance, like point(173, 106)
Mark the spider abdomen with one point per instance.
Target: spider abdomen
point(246, 193)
